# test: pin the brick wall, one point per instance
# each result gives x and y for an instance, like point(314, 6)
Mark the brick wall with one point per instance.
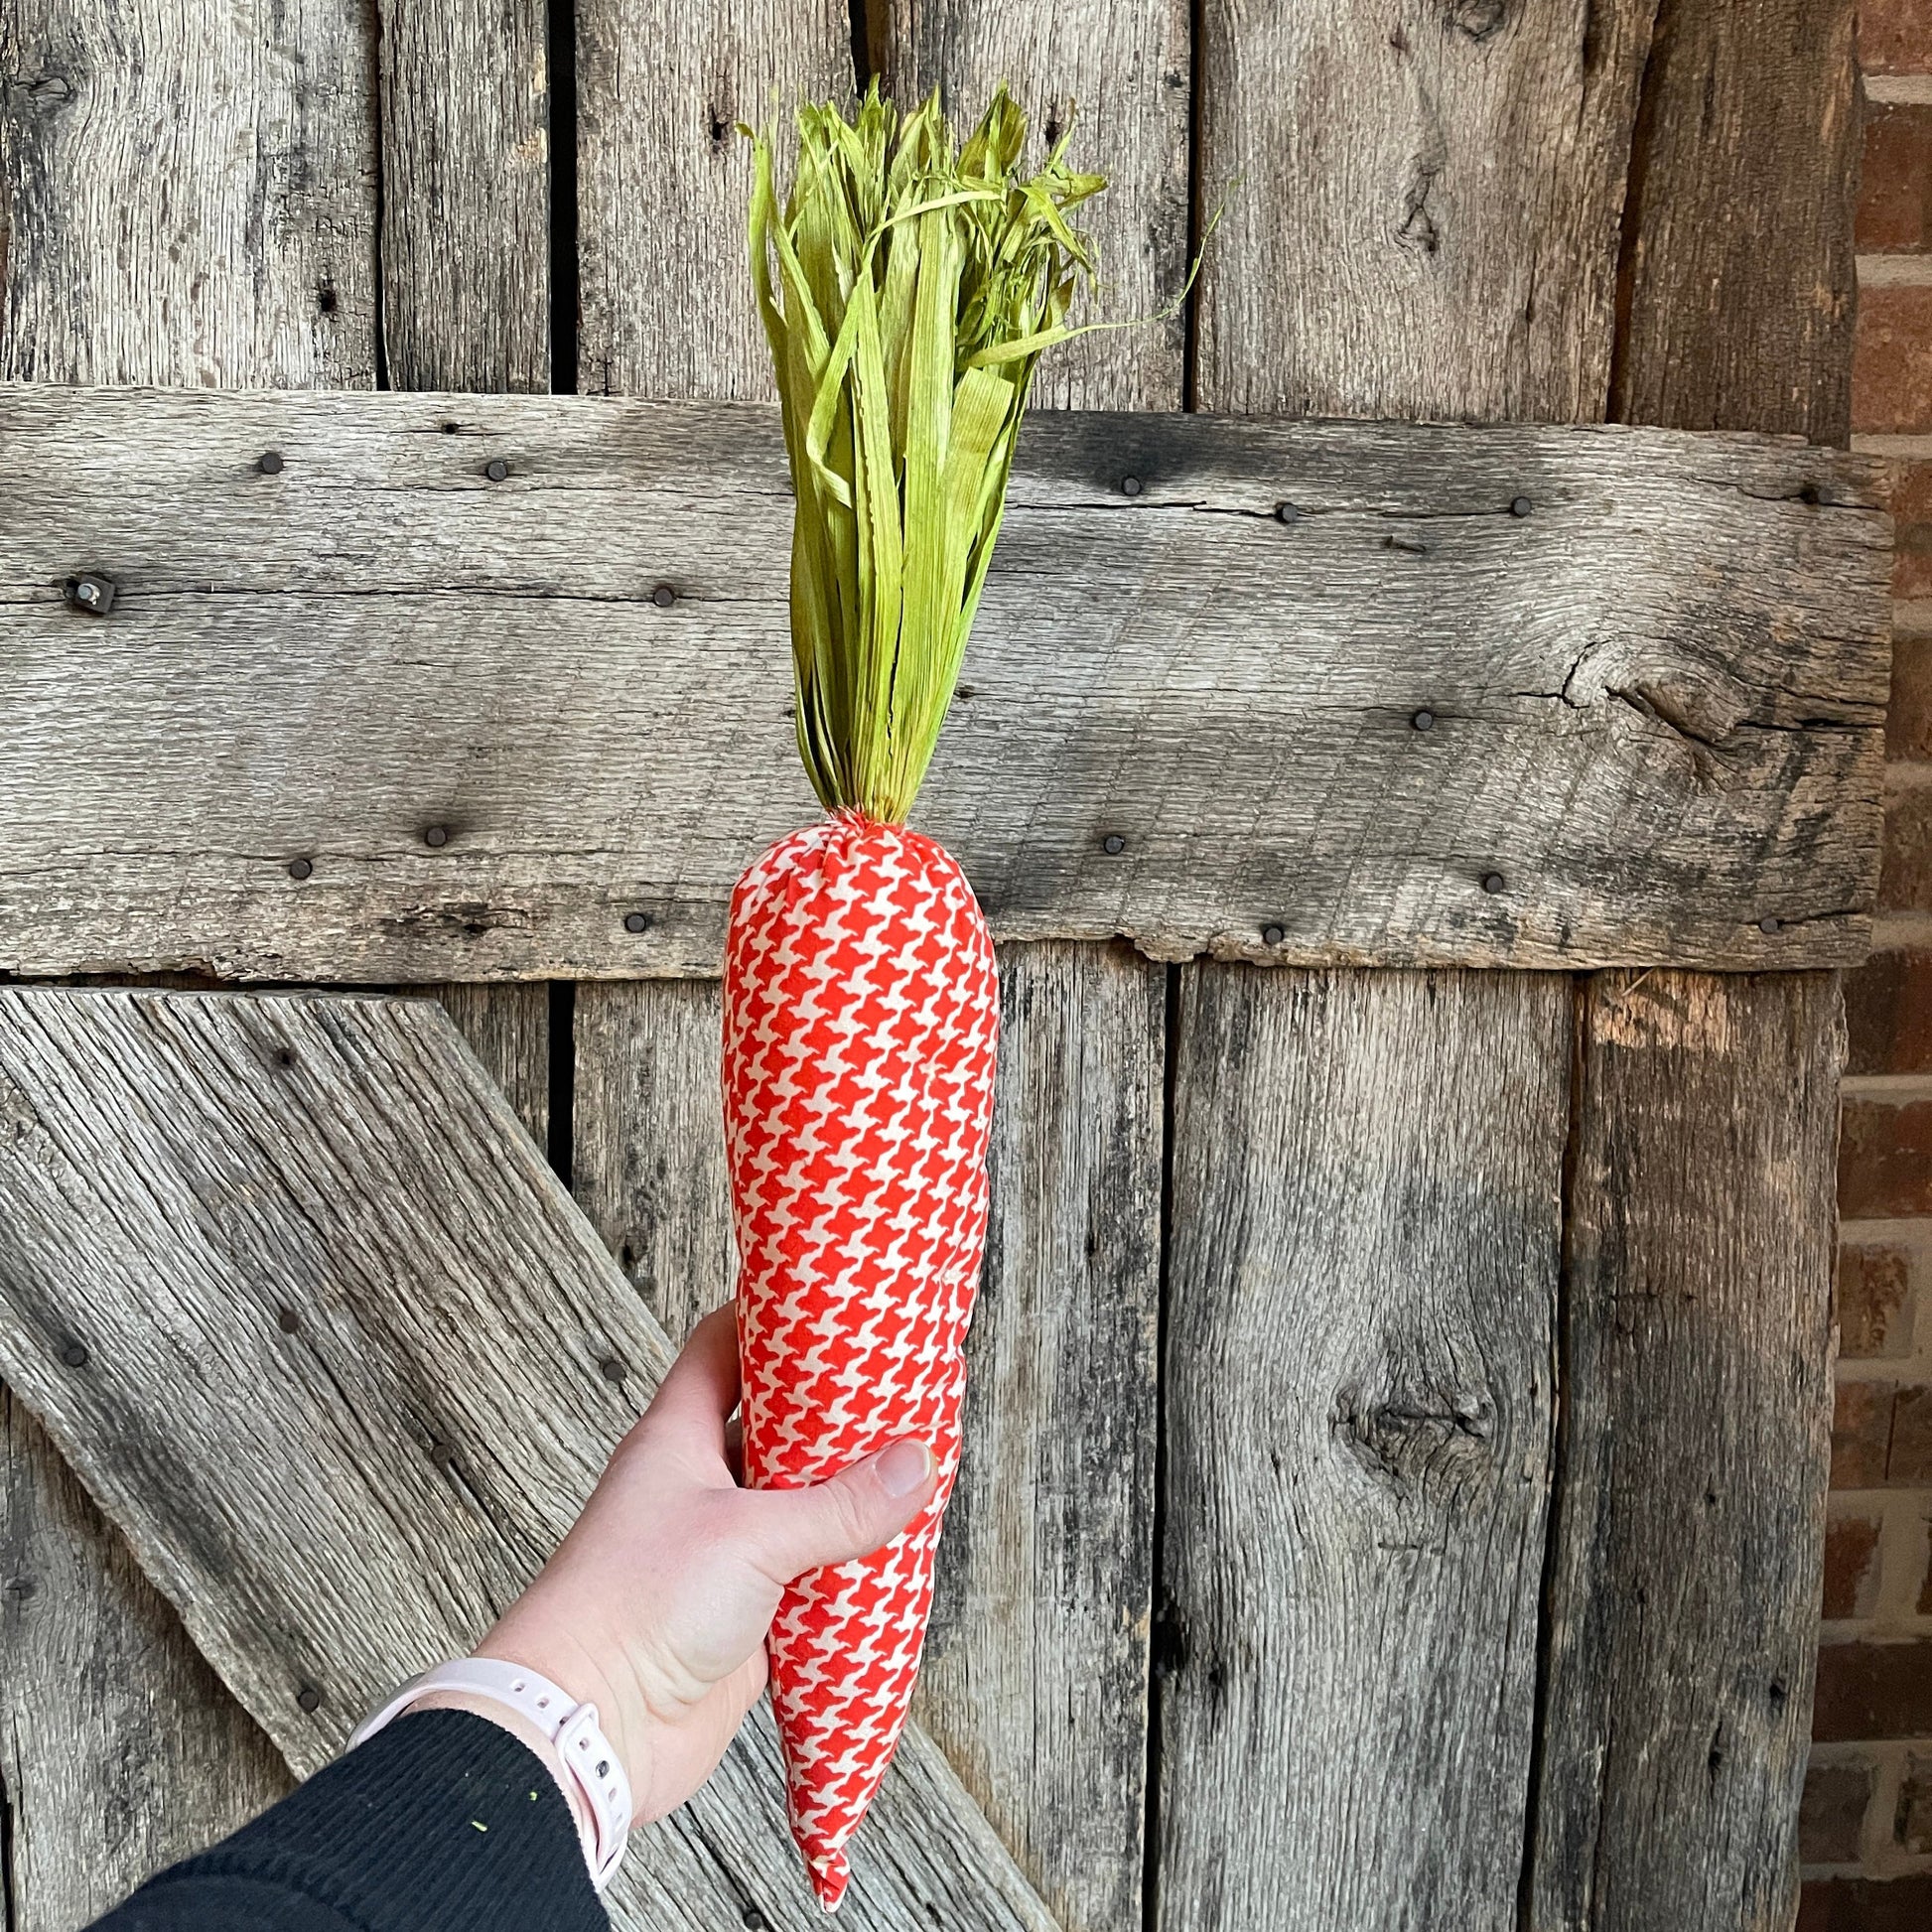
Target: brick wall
point(1867, 1820)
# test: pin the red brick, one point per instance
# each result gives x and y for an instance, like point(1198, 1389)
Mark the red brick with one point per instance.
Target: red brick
point(1911, 561)
point(1866, 1904)
point(1850, 1571)
point(1908, 718)
point(1895, 37)
point(1832, 1819)
point(1913, 1823)
point(1860, 1434)
point(1891, 364)
point(1885, 1159)
point(1874, 1283)
point(1895, 200)
point(1889, 1014)
point(1873, 1690)
point(1908, 1463)
point(1905, 863)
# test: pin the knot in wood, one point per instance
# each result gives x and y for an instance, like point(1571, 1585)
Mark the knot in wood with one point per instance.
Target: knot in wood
point(1419, 1438)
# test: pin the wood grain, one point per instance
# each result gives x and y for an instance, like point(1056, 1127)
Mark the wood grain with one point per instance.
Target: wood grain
point(1656, 697)
point(1359, 1396)
point(1702, 1204)
point(190, 192)
point(1036, 1673)
point(647, 1157)
point(347, 1376)
point(1696, 1438)
point(507, 1028)
point(190, 197)
point(119, 1749)
point(1117, 72)
point(1738, 292)
point(663, 180)
point(466, 204)
point(1422, 203)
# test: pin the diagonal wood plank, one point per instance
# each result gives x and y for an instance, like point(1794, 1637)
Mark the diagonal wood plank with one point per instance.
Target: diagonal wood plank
point(324, 1335)
point(1655, 698)
point(120, 1750)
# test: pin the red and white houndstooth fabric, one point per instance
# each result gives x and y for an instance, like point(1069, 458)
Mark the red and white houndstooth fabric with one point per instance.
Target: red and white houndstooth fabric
point(862, 1012)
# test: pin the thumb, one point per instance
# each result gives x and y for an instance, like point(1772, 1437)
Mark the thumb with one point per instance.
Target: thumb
point(849, 1515)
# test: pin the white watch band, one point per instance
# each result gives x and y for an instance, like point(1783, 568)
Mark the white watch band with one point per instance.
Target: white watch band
point(571, 1728)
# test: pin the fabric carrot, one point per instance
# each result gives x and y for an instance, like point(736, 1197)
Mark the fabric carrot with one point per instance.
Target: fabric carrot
point(907, 290)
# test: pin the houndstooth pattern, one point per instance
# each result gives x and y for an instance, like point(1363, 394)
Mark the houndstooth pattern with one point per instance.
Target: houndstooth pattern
point(861, 1023)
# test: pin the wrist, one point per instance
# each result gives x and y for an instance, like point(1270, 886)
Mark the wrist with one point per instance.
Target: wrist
point(569, 1666)
point(524, 1731)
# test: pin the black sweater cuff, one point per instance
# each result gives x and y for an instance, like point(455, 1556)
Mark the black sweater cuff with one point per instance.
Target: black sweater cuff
point(442, 1822)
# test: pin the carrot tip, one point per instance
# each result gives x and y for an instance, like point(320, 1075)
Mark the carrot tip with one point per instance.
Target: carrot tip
point(829, 1876)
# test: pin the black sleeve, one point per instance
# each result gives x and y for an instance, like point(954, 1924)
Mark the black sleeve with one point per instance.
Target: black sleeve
point(443, 1823)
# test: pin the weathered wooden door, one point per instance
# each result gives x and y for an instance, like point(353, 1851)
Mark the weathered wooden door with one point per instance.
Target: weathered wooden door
point(1396, 1459)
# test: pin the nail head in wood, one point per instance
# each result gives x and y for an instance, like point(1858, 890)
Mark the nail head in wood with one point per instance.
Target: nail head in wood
point(442, 1455)
point(269, 463)
point(1113, 845)
point(1770, 925)
point(755, 1920)
point(308, 1698)
point(663, 597)
point(496, 469)
point(1272, 935)
point(300, 867)
point(612, 1370)
point(286, 1321)
point(91, 593)
point(1520, 507)
point(75, 1354)
point(635, 923)
point(1493, 882)
point(1130, 486)
point(436, 835)
point(1423, 721)
point(1287, 514)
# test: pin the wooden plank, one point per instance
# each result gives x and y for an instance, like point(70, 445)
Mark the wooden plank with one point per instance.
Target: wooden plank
point(466, 204)
point(1359, 1390)
point(663, 180)
point(400, 1334)
point(1742, 182)
point(647, 1150)
point(1035, 1680)
point(1035, 1674)
point(1473, 209)
point(507, 1028)
point(1696, 1433)
point(190, 199)
point(1673, 1747)
point(1656, 698)
point(1456, 252)
point(1118, 72)
point(188, 205)
point(119, 1749)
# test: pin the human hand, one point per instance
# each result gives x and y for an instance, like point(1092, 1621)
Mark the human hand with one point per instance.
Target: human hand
point(655, 1605)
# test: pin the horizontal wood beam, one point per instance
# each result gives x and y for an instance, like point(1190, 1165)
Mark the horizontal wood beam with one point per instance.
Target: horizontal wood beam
point(314, 1322)
point(1291, 692)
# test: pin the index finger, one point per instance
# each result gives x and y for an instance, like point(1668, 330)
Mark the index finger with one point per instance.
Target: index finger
point(700, 1389)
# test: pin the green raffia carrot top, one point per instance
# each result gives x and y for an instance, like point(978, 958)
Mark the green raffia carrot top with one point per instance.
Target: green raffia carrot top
point(909, 286)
